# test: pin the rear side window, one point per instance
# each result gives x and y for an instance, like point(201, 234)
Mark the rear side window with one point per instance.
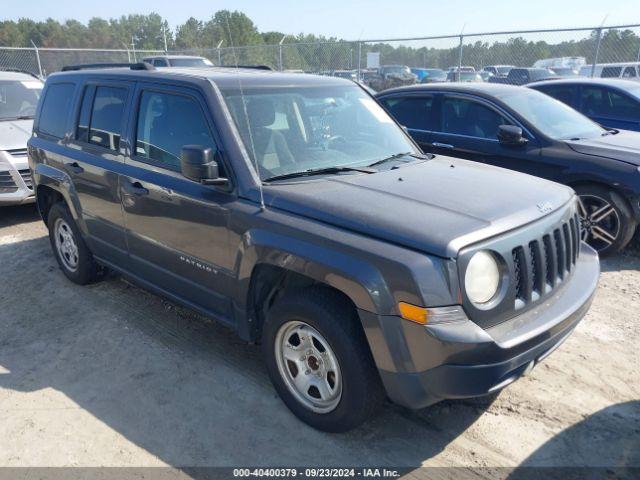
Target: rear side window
point(564, 93)
point(629, 72)
point(166, 123)
point(611, 72)
point(413, 112)
point(55, 109)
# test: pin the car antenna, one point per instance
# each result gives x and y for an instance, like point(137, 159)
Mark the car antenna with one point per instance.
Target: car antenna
point(246, 116)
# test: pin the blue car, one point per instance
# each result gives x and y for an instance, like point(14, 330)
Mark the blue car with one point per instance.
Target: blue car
point(610, 102)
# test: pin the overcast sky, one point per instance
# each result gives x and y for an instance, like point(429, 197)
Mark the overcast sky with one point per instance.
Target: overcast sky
point(354, 19)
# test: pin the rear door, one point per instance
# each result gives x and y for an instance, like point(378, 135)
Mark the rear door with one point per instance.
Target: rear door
point(176, 228)
point(94, 160)
point(418, 113)
point(610, 107)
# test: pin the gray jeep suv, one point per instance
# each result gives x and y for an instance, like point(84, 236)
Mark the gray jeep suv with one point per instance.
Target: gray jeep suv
point(293, 209)
point(19, 93)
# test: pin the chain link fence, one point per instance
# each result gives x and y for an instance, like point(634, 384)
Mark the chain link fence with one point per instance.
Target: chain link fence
point(589, 51)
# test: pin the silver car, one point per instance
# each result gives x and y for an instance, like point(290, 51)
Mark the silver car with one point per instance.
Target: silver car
point(19, 94)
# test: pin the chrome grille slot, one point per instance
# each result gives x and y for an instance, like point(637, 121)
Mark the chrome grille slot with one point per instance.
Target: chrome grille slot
point(26, 178)
point(550, 262)
point(7, 185)
point(519, 273)
point(559, 244)
point(537, 276)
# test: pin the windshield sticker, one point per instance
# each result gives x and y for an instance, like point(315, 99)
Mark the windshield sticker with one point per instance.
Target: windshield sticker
point(33, 85)
point(376, 110)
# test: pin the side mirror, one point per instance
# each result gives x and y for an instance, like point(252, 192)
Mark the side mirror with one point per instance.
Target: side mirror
point(197, 164)
point(511, 135)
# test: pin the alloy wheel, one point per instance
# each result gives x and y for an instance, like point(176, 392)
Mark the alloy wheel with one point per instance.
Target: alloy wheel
point(599, 222)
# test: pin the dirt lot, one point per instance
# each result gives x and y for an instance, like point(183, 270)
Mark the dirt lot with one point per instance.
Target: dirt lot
point(109, 375)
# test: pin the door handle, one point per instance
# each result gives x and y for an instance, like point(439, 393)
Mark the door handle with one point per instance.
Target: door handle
point(443, 145)
point(135, 188)
point(74, 167)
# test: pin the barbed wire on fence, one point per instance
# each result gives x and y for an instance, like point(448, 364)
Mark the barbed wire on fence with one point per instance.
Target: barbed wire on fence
point(588, 46)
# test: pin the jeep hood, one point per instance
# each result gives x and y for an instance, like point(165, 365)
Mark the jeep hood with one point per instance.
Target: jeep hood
point(14, 134)
point(623, 146)
point(437, 206)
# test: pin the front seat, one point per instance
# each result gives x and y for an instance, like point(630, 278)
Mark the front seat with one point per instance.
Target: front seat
point(271, 149)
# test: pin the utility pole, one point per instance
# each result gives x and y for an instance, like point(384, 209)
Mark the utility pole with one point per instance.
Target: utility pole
point(598, 42)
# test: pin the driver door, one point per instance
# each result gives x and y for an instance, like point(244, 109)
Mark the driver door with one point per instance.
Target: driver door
point(176, 228)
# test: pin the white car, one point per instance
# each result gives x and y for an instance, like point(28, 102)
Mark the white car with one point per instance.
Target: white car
point(19, 94)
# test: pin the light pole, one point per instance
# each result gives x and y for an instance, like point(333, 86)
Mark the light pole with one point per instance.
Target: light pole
point(219, 56)
point(280, 51)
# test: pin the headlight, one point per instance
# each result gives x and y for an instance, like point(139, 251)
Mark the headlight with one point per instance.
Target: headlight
point(482, 279)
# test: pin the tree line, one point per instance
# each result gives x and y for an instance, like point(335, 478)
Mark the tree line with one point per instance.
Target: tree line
point(302, 51)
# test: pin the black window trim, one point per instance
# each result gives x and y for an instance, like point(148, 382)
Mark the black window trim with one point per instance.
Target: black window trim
point(65, 137)
point(169, 90)
point(94, 84)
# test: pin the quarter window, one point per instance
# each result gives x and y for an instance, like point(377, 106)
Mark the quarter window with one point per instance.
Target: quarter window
point(166, 123)
point(100, 120)
point(629, 72)
point(55, 109)
point(467, 117)
point(413, 112)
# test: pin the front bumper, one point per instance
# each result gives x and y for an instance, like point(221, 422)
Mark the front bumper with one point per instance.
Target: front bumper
point(422, 365)
point(16, 187)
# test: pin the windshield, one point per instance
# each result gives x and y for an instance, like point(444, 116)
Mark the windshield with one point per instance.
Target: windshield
point(190, 62)
point(294, 129)
point(19, 98)
point(552, 117)
point(503, 70)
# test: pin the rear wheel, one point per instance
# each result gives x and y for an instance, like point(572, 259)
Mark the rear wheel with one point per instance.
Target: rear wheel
point(70, 250)
point(319, 360)
point(606, 220)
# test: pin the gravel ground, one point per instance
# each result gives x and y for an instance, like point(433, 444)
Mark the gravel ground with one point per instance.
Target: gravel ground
point(110, 375)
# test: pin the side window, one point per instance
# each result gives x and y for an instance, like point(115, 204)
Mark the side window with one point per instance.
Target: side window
point(467, 117)
point(167, 122)
point(624, 106)
point(564, 93)
point(413, 112)
point(629, 72)
point(592, 101)
point(55, 109)
point(100, 121)
point(611, 72)
point(158, 62)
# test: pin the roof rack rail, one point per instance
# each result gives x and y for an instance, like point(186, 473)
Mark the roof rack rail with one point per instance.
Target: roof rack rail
point(18, 70)
point(255, 67)
point(92, 66)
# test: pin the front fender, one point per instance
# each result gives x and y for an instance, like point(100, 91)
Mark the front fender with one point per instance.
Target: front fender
point(357, 279)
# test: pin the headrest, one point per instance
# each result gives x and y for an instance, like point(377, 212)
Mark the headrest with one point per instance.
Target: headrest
point(261, 112)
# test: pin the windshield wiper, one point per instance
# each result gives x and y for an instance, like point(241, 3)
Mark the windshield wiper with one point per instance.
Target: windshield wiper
point(398, 156)
point(320, 171)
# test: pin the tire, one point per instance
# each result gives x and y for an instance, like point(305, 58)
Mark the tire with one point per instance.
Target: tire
point(607, 221)
point(70, 250)
point(352, 388)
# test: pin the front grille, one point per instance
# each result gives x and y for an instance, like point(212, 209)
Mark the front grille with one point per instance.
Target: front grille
point(26, 178)
point(7, 185)
point(544, 263)
point(537, 259)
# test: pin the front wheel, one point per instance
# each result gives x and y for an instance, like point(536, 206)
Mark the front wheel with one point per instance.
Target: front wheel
point(607, 222)
point(319, 361)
